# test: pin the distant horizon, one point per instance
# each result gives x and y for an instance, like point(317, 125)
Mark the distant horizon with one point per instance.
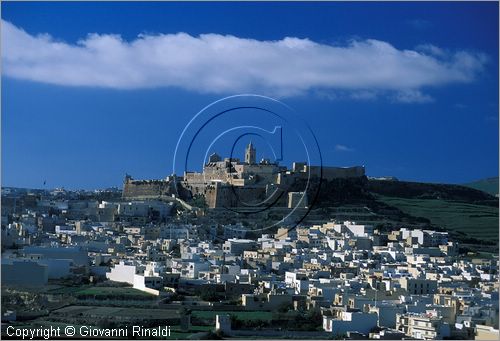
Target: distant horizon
point(92, 91)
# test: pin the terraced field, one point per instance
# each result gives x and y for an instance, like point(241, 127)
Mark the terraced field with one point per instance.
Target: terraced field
point(243, 315)
point(127, 313)
point(112, 292)
point(87, 291)
point(475, 221)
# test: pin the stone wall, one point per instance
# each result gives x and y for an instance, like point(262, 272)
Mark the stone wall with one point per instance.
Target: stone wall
point(329, 173)
point(224, 195)
point(152, 189)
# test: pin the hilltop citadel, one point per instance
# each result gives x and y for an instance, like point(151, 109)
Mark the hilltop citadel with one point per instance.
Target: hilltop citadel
point(230, 182)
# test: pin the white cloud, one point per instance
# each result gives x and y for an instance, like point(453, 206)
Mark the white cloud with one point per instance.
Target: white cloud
point(412, 96)
point(342, 148)
point(223, 64)
point(432, 50)
point(364, 95)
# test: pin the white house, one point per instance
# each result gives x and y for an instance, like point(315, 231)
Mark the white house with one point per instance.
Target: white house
point(350, 321)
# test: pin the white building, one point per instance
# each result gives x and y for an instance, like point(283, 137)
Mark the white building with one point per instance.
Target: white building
point(193, 269)
point(297, 281)
point(237, 246)
point(423, 326)
point(350, 321)
point(122, 273)
point(350, 228)
point(147, 281)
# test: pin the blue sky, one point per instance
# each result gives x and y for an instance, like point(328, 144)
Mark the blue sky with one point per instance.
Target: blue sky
point(406, 89)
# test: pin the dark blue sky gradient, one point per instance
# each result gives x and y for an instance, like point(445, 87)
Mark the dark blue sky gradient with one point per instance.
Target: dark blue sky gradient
point(80, 137)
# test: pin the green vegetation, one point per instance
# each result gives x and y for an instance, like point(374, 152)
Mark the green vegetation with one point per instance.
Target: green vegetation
point(489, 185)
point(199, 201)
point(103, 293)
point(117, 312)
point(113, 293)
point(66, 290)
point(475, 221)
point(208, 295)
point(290, 320)
point(242, 315)
point(421, 190)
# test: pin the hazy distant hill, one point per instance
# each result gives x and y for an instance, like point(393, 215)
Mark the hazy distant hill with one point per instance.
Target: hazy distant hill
point(489, 185)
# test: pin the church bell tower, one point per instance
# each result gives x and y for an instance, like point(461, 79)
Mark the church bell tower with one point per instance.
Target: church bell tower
point(250, 154)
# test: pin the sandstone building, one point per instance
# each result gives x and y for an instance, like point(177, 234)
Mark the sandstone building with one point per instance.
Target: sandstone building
point(229, 182)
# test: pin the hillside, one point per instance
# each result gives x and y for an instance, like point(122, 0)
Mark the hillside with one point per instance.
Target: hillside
point(419, 190)
point(470, 215)
point(469, 222)
point(488, 185)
